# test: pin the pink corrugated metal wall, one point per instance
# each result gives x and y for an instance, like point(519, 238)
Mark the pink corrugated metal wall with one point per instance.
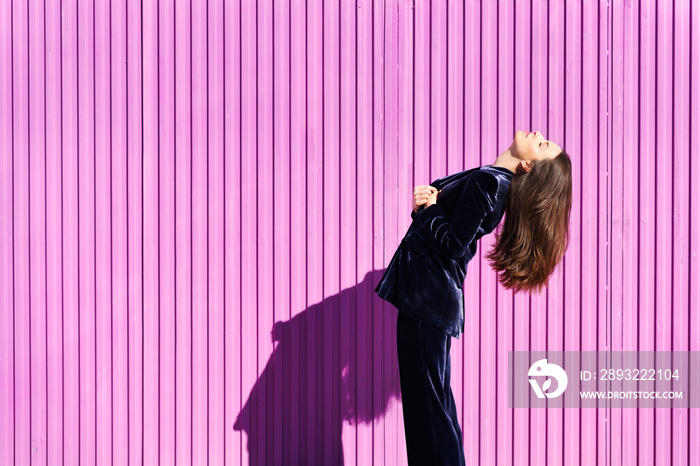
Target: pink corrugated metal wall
point(198, 198)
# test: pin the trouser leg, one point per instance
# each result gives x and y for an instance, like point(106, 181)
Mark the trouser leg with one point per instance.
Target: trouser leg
point(433, 435)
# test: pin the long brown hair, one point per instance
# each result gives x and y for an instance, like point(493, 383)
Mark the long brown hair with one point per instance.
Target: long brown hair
point(535, 232)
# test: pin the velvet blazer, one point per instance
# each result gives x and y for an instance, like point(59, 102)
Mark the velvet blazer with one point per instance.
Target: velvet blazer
point(425, 277)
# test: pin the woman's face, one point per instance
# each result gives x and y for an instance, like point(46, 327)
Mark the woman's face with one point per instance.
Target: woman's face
point(533, 146)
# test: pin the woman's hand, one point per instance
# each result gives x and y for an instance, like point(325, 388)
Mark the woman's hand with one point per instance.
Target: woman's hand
point(424, 194)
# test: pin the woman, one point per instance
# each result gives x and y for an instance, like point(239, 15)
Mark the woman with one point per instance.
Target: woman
point(531, 183)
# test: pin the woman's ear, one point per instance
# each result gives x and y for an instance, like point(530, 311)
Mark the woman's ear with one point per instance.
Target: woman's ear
point(524, 166)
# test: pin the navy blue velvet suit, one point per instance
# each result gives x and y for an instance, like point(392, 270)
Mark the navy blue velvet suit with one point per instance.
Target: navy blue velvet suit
point(424, 281)
point(426, 274)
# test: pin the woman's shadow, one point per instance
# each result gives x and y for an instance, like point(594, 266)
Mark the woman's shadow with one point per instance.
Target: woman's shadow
point(336, 361)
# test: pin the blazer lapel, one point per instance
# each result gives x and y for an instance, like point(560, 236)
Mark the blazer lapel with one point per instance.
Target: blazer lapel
point(440, 182)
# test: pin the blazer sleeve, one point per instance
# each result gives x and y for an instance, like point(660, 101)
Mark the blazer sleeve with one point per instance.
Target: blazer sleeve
point(476, 201)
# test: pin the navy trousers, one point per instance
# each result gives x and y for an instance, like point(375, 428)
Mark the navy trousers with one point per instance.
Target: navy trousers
point(433, 435)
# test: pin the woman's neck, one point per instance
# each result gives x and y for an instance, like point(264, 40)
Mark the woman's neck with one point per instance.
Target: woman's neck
point(506, 160)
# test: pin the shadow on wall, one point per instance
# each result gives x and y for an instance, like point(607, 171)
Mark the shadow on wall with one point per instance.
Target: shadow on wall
point(334, 362)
